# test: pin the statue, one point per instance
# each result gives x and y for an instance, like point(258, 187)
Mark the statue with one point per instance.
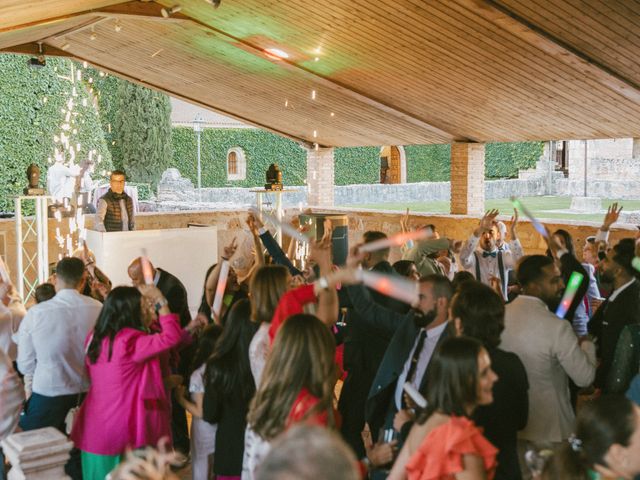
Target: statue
point(274, 178)
point(33, 175)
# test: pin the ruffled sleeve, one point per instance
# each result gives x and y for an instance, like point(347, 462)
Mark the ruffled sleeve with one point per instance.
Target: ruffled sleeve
point(439, 457)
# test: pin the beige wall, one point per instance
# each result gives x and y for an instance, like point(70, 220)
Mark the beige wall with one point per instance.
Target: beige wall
point(231, 224)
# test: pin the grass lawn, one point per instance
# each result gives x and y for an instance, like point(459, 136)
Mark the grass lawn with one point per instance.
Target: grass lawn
point(546, 207)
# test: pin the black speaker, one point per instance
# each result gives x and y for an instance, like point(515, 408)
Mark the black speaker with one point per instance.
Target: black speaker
point(339, 237)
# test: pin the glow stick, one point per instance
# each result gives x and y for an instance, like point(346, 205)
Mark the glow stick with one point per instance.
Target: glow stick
point(635, 263)
point(286, 227)
point(534, 221)
point(396, 240)
point(147, 271)
point(220, 288)
point(4, 272)
point(399, 288)
point(569, 294)
point(415, 395)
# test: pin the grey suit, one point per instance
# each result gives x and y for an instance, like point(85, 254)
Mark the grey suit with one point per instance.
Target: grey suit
point(550, 352)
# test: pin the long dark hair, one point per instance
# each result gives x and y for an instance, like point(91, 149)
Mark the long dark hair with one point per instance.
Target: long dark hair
point(228, 370)
point(453, 378)
point(302, 357)
point(204, 307)
point(121, 309)
point(206, 346)
point(568, 240)
point(606, 421)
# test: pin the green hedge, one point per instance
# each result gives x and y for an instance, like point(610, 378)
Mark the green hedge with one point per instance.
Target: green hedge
point(428, 163)
point(261, 148)
point(504, 160)
point(357, 165)
point(28, 123)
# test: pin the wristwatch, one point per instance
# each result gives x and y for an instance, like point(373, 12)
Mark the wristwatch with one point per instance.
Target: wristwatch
point(161, 303)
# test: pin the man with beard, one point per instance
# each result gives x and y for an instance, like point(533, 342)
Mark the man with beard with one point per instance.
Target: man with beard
point(620, 309)
point(481, 255)
point(416, 335)
point(550, 352)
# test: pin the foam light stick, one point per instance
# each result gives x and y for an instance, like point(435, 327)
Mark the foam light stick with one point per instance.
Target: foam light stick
point(220, 288)
point(287, 228)
point(635, 263)
point(147, 271)
point(399, 288)
point(396, 240)
point(4, 272)
point(569, 293)
point(534, 221)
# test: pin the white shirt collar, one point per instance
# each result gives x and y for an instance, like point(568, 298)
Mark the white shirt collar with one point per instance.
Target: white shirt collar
point(619, 290)
point(436, 331)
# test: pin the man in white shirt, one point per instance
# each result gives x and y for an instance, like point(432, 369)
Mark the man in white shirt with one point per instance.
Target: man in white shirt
point(51, 347)
point(550, 352)
point(481, 256)
point(11, 398)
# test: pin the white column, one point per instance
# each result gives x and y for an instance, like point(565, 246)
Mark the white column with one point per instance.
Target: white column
point(320, 177)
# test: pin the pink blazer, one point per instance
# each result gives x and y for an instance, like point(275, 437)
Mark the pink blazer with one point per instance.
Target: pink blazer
point(127, 405)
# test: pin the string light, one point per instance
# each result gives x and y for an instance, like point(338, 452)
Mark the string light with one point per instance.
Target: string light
point(85, 64)
point(333, 114)
point(286, 103)
point(118, 26)
point(313, 94)
point(93, 36)
point(315, 134)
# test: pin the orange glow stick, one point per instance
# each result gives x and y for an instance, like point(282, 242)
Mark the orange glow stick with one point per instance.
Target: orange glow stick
point(147, 271)
point(399, 288)
point(396, 240)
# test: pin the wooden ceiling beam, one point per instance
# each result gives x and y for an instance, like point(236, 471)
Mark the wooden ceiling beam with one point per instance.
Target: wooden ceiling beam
point(129, 9)
point(510, 21)
point(32, 49)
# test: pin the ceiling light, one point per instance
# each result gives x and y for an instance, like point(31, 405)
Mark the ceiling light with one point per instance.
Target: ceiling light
point(118, 26)
point(276, 53)
point(93, 36)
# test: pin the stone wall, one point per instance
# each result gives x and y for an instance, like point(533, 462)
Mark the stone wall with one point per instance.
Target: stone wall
point(231, 225)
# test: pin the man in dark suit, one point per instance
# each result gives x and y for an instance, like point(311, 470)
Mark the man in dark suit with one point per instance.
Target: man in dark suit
point(176, 295)
point(364, 348)
point(415, 337)
point(620, 309)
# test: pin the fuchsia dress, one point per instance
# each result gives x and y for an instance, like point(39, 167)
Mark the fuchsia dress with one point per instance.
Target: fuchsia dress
point(127, 405)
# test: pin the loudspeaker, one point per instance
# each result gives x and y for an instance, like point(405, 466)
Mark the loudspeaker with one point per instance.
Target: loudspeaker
point(339, 237)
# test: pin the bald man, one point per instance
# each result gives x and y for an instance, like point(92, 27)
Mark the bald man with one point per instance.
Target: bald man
point(176, 295)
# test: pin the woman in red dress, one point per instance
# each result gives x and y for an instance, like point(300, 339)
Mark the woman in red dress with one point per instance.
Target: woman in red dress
point(444, 444)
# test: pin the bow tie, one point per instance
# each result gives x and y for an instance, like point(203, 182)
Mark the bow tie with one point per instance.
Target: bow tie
point(489, 254)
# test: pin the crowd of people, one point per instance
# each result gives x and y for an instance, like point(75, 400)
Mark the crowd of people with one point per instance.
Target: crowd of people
point(300, 371)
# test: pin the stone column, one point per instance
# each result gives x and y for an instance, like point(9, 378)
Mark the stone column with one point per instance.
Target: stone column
point(467, 178)
point(636, 148)
point(320, 177)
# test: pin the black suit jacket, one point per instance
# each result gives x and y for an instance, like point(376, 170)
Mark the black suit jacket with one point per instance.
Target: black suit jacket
point(607, 324)
point(364, 347)
point(508, 413)
point(380, 401)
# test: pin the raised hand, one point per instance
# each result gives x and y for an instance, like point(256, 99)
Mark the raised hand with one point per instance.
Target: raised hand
point(230, 249)
point(611, 217)
point(514, 224)
point(404, 222)
point(486, 222)
point(252, 223)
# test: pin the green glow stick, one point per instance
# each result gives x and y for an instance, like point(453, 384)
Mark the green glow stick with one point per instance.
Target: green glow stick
point(569, 294)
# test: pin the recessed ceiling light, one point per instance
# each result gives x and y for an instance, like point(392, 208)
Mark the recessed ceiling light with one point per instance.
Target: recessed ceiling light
point(276, 53)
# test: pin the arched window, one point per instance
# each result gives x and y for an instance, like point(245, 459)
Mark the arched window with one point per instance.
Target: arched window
point(236, 164)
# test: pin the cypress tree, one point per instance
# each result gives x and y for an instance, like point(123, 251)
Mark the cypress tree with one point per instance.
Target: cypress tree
point(142, 132)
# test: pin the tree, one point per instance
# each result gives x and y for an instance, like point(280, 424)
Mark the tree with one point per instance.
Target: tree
point(142, 132)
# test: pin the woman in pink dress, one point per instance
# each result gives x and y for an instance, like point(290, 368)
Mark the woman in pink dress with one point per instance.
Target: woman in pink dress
point(127, 405)
point(444, 444)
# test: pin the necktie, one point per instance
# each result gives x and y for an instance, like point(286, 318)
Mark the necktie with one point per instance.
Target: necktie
point(489, 254)
point(416, 355)
point(413, 366)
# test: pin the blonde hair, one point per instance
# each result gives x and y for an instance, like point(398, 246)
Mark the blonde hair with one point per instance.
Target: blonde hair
point(302, 357)
point(267, 286)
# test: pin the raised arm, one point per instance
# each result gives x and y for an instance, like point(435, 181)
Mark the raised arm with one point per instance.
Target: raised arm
point(328, 305)
point(212, 279)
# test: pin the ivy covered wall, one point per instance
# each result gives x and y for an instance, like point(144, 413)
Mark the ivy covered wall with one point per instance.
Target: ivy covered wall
point(31, 104)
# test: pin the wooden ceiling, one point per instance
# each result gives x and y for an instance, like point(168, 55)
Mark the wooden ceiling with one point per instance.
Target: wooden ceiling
point(364, 72)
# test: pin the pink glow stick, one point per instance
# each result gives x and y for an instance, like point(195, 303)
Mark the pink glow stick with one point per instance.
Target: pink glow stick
point(220, 288)
point(395, 287)
point(147, 271)
point(396, 240)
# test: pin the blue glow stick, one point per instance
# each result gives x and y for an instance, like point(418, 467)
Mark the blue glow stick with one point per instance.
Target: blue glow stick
point(534, 221)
